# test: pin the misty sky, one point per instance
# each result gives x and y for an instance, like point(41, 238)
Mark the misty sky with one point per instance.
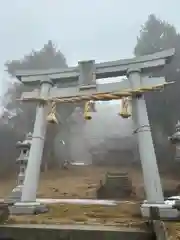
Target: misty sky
point(97, 29)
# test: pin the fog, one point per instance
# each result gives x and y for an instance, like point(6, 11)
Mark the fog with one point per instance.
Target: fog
point(106, 131)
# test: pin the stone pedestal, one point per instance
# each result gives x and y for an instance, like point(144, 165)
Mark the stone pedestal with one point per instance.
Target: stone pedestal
point(27, 208)
point(166, 212)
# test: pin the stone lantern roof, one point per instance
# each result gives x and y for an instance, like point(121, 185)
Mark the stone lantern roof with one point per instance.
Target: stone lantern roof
point(26, 144)
point(175, 138)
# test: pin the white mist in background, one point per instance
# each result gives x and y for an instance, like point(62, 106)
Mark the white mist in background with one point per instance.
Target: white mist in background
point(105, 131)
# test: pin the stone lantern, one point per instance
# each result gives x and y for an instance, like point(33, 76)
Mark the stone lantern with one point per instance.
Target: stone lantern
point(22, 161)
point(175, 139)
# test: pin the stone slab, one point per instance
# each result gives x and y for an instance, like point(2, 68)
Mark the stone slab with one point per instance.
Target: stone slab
point(166, 212)
point(27, 208)
point(73, 232)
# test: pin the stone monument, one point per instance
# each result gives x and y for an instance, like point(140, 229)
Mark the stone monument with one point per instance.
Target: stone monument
point(16, 194)
point(175, 139)
point(22, 160)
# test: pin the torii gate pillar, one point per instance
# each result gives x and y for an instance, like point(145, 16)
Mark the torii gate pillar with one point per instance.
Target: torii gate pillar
point(152, 182)
point(40, 126)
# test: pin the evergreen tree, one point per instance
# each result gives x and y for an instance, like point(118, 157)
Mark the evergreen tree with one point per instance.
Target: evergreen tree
point(163, 107)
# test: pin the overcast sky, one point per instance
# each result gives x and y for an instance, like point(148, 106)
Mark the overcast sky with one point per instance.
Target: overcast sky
point(97, 29)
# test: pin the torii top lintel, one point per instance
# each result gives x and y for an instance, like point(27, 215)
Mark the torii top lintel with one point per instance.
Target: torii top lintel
point(146, 63)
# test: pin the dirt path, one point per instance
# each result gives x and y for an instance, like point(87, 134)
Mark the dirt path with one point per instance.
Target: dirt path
point(78, 182)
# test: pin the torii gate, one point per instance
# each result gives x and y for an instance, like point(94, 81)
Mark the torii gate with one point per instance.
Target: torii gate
point(79, 84)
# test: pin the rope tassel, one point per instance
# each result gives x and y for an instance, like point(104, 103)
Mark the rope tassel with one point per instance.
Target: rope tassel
point(88, 108)
point(125, 108)
point(51, 118)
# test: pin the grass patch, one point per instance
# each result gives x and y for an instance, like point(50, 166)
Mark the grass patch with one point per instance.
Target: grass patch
point(73, 213)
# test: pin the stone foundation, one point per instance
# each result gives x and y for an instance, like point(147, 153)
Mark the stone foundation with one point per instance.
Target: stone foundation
point(73, 232)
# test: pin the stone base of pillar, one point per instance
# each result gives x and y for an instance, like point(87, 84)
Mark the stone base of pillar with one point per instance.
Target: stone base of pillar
point(28, 208)
point(165, 211)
